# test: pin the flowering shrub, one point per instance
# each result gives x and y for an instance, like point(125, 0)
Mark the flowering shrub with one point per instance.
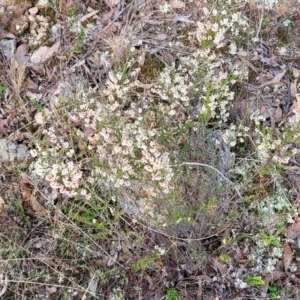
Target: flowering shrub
point(132, 147)
point(129, 138)
point(216, 24)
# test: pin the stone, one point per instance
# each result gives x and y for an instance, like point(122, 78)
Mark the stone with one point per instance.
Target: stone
point(13, 154)
point(33, 11)
point(8, 47)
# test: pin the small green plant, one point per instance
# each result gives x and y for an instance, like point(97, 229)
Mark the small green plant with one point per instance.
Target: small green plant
point(274, 292)
point(266, 20)
point(224, 258)
point(71, 12)
point(254, 280)
point(102, 276)
point(80, 40)
point(2, 89)
point(270, 240)
point(24, 218)
point(172, 294)
point(144, 263)
point(36, 104)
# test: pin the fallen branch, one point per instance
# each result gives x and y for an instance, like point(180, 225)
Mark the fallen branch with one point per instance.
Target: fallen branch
point(213, 168)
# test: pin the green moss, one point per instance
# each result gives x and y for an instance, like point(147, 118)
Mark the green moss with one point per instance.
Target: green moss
point(144, 263)
point(150, 69)
point(282, 35)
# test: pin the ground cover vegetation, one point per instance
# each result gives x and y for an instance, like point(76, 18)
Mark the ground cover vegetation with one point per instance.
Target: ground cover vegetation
point(149, 149)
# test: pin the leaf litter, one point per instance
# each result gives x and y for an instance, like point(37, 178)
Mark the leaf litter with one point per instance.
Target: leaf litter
point(39, 73)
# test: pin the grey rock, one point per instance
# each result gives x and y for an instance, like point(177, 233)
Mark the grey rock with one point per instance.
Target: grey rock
point(8, 47)
point(12, 153)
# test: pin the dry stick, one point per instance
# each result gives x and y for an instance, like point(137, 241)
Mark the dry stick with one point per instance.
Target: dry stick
point(109, 24)
point(5, 286)
point(260, 21)
point(213, 168)
point(48, 284)
point(175, 237)
point(103, 30)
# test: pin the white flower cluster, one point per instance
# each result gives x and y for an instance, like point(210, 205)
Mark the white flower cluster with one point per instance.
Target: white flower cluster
point(174, 86)
point(217, 23)
point(265, 141)
point(165, 8)
point(125, 154)
point(65, 176)
point(216, 96)
point(136, 160)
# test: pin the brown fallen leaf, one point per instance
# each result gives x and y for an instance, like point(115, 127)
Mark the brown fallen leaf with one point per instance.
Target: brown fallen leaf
point(264, 112)
point(3, 126)
point(89, 15)
point(293, 231)
point(296, 72)
point(150, 281)
point(31, 85)
point(2, 203)
point(37, 70)
point(177, 4)
point(277, 114)
point(19, 136)
point(44, 53)
point(37, 207)
point(287, 256)
point(248, 63)
point(273, 276)
point(161, 37)
point(219, 266)
point(21, 55)
point(294, 108)
point(26, 187)
point(293, 87)
point(274, 80)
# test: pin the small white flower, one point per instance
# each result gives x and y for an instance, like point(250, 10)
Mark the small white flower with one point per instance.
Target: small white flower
point(165, 8)
point(33, 153)
point(282, 50)
point(287, 22)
